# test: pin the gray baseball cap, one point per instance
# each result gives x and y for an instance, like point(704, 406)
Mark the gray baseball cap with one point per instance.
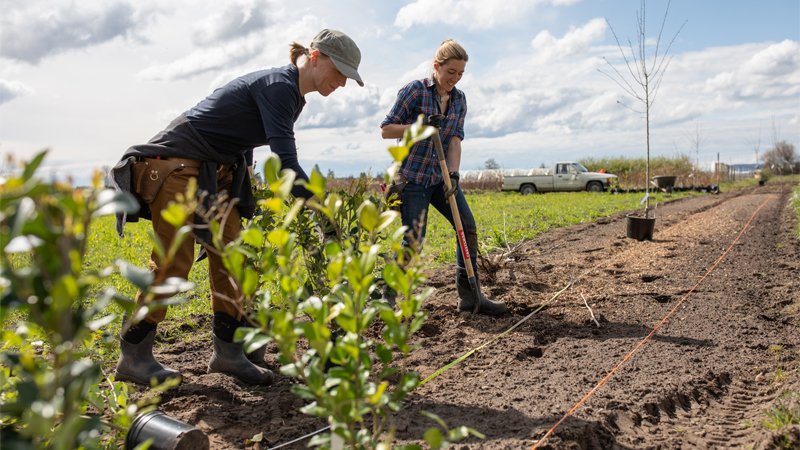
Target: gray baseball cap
point(342, 50)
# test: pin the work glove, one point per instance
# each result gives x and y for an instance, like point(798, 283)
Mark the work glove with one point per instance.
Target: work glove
point(454, 177)
point(432, 120)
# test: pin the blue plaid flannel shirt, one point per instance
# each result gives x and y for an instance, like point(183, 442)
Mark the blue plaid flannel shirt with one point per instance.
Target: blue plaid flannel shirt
point(419, 97)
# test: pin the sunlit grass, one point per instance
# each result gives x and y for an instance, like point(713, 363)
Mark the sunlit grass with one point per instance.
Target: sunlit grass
point(515, 217)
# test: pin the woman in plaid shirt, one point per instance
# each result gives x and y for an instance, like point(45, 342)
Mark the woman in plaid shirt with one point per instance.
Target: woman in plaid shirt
point(420, 172)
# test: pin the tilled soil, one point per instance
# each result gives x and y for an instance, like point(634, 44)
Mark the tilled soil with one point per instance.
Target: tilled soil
point(726, 353)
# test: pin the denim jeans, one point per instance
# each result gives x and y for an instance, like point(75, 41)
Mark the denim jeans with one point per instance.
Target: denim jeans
point(416, 202)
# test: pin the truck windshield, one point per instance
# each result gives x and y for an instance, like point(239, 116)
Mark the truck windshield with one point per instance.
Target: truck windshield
point(580, 168)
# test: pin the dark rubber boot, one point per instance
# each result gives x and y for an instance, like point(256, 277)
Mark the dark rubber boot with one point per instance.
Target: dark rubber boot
point(466, 300)
point(229, 358)
point(257, 355)
point(137, 364)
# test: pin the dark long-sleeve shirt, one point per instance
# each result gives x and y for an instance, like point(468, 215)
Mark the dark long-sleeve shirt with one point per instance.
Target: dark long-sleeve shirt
point(256, 109)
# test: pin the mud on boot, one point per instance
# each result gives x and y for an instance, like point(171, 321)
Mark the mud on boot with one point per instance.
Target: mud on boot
point(136, 361)
point(466, 299)
point(229, 357)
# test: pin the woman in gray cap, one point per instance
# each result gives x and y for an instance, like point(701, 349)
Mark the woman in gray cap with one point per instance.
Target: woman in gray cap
point(213, 142)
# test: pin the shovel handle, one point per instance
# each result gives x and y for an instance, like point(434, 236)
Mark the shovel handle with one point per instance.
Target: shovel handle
point(462, 239)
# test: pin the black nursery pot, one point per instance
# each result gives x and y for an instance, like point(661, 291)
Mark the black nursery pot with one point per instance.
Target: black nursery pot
point(167, 432)
point(640, 228)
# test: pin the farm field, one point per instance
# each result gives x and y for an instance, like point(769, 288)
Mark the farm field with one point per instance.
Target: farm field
point(726, 354)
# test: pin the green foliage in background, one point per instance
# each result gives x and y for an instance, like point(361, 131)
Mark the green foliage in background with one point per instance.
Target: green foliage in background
point(623, 165)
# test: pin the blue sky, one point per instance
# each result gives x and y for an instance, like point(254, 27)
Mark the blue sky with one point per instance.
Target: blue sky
point(87, 79)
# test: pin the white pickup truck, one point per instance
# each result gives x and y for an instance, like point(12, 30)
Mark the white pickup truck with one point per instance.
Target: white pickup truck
point(564, 176)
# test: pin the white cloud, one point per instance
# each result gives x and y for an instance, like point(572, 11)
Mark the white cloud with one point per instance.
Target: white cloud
point(575, 42)
point(270, 44)
point(347, 107)
point(770, 74)
point(11, 89)
point(33, 30)
point(469, 13)
point(229, 54)
point(236, 20)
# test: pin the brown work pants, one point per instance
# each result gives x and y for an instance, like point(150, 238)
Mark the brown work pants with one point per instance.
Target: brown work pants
point(225, 297)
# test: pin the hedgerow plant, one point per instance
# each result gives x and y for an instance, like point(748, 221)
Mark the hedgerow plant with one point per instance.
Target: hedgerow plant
point(53, 393)
point(322, 262)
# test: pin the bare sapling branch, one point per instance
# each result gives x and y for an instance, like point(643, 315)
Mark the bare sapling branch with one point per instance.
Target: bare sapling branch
point(644, 72)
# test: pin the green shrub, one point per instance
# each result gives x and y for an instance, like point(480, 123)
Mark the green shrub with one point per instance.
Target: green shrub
point(52, 391)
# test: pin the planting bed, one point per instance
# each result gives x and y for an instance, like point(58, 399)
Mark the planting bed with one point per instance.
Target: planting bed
point(701, 382)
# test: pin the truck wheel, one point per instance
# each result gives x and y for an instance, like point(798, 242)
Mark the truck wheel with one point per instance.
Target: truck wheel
point(594, 186)
point(528, 189)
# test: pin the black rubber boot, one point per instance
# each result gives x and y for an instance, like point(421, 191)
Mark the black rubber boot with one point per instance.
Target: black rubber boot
point(466, 300)
point(229, 357)
point(257, 355)
point(137, 364)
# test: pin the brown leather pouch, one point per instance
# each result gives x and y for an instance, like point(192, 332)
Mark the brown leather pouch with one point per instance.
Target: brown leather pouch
point(149, 174)
point(393, 191)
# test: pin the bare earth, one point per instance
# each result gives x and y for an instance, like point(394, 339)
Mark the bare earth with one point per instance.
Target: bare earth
point(703, 380)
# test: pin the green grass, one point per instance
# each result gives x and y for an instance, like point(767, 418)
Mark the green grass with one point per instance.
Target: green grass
point(511, 217)
point(795, 204)
point(105, 247)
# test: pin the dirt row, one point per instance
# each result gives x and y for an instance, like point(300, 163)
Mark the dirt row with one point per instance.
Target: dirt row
point(728, 352)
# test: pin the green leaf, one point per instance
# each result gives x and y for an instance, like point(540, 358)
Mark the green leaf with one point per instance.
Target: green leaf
point(172, 286)
point(292, 214)
point(396, 278)
point(145, 445)
point(31, 167)
point(399, 153)
point(384, 353)
point(110, 201)
point(434, 437)
point(253, 236)
point(278, 237)
point(179, 238)
point(368, 215)
point(249, 282)
point(174, 214)
point(386, 218)
point(316, 183)
point(100, 323)
point(272, 169)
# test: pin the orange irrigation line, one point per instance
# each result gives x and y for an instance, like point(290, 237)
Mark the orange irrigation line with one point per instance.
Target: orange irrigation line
point(649, 336)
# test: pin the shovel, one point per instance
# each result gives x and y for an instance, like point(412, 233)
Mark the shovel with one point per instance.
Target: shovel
point(437, 142)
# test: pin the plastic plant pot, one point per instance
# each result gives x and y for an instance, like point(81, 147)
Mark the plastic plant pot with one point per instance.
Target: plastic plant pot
point(641, 228)
point(167, 432)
